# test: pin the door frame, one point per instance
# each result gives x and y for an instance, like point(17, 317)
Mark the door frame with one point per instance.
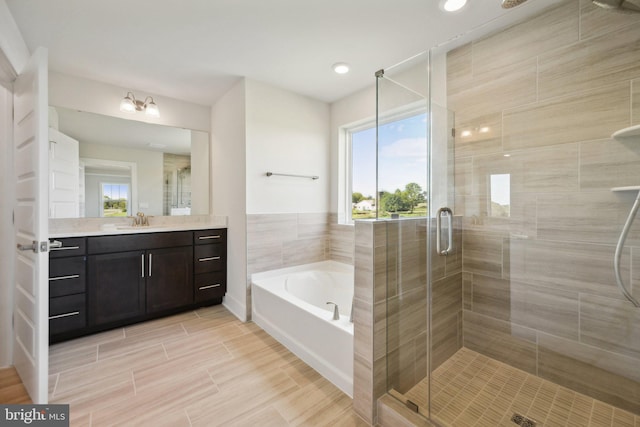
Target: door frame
point(7, 76)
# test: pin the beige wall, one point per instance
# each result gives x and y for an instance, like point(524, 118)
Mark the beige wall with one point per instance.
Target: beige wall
point(539, 289)
point(149, 171)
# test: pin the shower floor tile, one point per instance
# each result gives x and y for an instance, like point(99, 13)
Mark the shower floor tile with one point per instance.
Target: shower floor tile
point(470, 389)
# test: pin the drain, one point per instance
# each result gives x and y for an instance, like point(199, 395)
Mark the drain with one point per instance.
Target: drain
point(523, 421)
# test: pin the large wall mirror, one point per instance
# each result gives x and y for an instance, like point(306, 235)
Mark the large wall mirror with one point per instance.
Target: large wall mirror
point(102, 166)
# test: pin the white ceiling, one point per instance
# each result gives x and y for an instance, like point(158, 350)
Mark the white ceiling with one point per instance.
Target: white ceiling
point(195, 50)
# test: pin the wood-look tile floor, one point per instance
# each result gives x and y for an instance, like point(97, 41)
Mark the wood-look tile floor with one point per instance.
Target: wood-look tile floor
point(12, 390)
point(470, 389)
point(200, 368)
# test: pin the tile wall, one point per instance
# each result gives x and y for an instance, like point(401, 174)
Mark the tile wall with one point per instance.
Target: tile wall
point(538, 286)
point(391, 316)
point(284, 240)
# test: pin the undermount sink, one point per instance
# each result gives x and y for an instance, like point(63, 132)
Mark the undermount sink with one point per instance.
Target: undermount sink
point(141, 227)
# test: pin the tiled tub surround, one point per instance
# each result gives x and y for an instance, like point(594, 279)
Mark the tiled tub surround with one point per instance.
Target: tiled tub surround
point(391, 312)
point(539, 290)
point(277, 241)
point(283, 240)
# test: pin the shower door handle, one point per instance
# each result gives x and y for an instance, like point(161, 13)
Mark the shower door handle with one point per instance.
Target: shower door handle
point(449, 214)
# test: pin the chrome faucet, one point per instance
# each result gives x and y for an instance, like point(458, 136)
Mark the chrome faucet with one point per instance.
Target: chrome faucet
point(336, 313)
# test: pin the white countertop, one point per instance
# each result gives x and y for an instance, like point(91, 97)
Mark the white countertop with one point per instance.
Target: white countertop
point(107, 231)
point(80, 227)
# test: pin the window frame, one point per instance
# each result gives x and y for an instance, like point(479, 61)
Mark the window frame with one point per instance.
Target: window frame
point(345, 190)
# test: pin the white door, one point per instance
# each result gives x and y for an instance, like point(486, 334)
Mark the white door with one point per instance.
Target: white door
point(64, 175)
point(30, 153)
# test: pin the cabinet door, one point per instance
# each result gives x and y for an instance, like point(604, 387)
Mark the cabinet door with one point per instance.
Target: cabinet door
point(116, 286)
point(169, 278)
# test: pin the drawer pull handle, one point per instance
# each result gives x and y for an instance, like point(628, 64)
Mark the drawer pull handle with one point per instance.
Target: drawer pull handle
point(209, 237)
point(73, 313)
point(212, 258)
point(202, 288)
point(64, 248)
point(73, 276)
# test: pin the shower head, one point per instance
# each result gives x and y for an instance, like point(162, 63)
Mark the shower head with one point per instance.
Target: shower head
point(621, 6)
point(508, 4)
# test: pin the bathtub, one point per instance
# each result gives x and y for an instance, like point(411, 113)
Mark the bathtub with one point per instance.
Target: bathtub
point(290, 305)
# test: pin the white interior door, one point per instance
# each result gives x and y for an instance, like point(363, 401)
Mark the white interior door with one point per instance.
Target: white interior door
point(30, 151)
point(64, 175)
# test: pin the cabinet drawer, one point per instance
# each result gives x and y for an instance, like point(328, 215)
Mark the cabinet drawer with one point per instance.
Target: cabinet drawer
point(67, 276)
point(67, 313)
point(142, 241)
point(210, 286)
point(205, 237)
point(209, 258)
point(71, 246)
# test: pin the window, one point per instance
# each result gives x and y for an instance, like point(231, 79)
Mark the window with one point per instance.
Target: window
point(115, 199)
point(393, 184)
point(500, 191)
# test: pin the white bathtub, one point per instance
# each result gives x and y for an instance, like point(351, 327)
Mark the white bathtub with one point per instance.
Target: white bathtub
point(290, 305)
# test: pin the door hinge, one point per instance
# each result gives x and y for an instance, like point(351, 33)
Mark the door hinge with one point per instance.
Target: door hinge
point(453, 132)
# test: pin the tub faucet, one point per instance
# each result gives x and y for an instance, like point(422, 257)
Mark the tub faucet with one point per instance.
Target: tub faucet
point(336, 313)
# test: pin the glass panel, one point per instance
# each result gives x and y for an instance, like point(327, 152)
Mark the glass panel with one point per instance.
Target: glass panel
point(402, 189)
point(528, 320)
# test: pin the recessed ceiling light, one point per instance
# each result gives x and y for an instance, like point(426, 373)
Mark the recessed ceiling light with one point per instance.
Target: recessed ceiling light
point(341, 68)
point(453, 5)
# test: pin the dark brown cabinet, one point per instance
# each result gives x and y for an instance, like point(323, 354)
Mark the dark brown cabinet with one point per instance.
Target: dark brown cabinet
point(67, 287)
point(116, 289)
point(210, 265)
point(169, 278)
point(101, 282)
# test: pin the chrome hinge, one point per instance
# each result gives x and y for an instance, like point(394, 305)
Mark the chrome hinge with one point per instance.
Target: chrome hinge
point(411, 405)
point(380, 73)
point(453, 132)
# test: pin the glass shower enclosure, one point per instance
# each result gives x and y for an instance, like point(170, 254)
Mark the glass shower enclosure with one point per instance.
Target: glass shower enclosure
point(503, 307)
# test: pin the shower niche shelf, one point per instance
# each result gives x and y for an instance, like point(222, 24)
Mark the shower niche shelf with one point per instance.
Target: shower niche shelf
point(629, 188)
point(627, 133)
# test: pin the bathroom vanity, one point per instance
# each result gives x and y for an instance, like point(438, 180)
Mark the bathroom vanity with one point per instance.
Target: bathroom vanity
point(102, 281)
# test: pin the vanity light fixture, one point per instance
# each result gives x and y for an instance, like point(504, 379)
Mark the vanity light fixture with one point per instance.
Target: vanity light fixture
point(341, 68)
point(453, 5)
point(130, 105)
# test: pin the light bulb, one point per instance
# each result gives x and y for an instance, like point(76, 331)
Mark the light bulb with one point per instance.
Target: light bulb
point(341, 68)
point(151, 109)
point(127, 105)
point(453, 5)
